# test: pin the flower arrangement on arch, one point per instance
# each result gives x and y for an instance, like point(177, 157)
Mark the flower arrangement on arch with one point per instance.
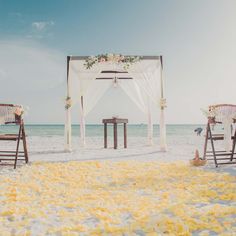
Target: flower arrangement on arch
point(109, 57)
point(162, 103)
point(68, 102)
point(210, 113)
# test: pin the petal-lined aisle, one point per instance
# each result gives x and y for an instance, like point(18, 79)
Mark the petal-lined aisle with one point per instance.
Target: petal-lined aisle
point(116, 198)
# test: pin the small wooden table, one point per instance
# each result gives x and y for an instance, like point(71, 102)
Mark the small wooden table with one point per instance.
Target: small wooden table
point(115, 121)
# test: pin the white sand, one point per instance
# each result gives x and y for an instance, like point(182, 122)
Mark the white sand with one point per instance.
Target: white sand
point(51, 148)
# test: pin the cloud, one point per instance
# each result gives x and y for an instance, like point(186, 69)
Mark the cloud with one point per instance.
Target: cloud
point(42, 25)
point(41, 30)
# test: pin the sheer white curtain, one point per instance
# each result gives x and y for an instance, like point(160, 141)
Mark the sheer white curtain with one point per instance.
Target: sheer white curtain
point(78, 83)
point(226, 114)
point(130, 87)
point(140, 98)
point(95, 92)
point(147, 75)
point(87, 90)
point(68, 118)
point(90, 99)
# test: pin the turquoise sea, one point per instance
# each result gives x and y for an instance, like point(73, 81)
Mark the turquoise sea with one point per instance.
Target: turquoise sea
point(97, 130)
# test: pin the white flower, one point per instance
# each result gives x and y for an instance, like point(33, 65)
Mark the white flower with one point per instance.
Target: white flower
point(210, 113)
point(19, 110)
point(162, 103)
point(68, 103)
point(110, 57)
point(116, 57)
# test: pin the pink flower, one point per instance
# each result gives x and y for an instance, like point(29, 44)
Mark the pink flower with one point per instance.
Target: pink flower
point(18, 111)
point(116, 58)
point(110, 57)
point(121, 58)
point(102, 59)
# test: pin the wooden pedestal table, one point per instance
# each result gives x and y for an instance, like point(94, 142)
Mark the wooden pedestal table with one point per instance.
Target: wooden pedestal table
point(115, 121)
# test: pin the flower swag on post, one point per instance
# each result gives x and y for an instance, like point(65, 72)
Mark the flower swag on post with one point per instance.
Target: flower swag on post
point(19, 110)
point(115, 58)
point(68, 103)
point(210, 114)
point(162, 103)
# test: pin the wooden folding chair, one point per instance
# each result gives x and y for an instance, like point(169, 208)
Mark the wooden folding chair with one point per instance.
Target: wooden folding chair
point(12, 115)
point(220, 157)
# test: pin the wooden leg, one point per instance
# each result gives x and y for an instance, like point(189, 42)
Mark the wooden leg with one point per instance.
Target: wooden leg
point(25, 145)
point(212, 145)
point(233, 148)
point(105, 135)
point(17, 146)
point(206, 140)
point(115, 136)
point(125, 136)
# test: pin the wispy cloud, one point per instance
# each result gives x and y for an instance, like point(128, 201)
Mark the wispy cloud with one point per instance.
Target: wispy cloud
point(42, 25)
point(41, 30)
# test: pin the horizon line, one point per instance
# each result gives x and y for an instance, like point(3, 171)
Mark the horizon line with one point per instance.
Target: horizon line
point(127, 124)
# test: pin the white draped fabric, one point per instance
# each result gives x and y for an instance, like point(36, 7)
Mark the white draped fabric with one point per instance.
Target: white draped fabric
point(226, 114)
point(147, 75)
point(90, 99)
point(68, 117)
point(143, 88)
point(140, 98)
point(81, 83)
point(149, 78)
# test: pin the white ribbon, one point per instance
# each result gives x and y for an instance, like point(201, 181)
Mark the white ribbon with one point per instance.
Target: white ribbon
point(2, 120)
point(227, 121)
point(226, 117)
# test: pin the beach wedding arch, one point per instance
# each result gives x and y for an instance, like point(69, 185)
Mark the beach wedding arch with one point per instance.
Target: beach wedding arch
point(140, 77)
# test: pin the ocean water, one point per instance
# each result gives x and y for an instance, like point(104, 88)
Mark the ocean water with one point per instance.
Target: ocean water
point(139, 130)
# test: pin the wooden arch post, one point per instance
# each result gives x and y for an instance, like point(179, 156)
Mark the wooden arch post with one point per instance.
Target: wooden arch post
point(163, 146)
point(68, 110)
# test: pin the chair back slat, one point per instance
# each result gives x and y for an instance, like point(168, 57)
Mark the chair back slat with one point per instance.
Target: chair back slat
point(223, 111)
point(12, 114)
point(9, 114)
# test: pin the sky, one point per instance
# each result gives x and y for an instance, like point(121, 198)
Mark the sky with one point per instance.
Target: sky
point(196, 39)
